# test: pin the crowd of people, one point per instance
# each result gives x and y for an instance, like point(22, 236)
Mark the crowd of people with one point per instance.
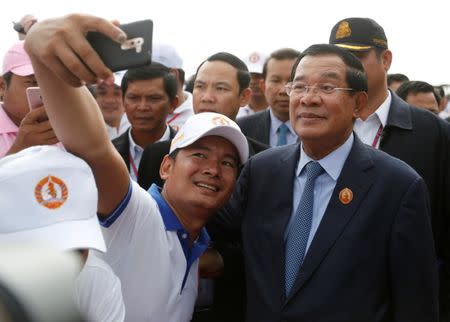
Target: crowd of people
point(302, 185)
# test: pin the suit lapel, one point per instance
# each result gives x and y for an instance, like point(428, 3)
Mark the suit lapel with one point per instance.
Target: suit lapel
point(355, 175)
point(265, 128)
point(285, 179)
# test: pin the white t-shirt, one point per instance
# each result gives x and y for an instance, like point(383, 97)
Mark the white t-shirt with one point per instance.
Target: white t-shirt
point(98, 293)
point(144, 240)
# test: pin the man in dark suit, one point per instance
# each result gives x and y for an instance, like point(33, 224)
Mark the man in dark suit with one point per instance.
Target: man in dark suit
point(342, 232)
point(149, 95)
point(272, 126)
point(221, 86)
point(217, 71)
point(411, 134)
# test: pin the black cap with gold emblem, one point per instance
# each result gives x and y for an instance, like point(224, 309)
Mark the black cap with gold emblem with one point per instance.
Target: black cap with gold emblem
point(358, 34)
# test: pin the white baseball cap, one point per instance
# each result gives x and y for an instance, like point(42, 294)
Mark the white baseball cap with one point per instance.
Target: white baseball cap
point(166, 55)
point(209, 123)
point(49, 196)
point(255, 62)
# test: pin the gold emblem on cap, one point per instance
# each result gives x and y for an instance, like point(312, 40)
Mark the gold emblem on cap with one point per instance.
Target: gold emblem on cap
point(220, 120)
point(380, 42)
point(51, 192)
point(343, 30)
point(346, 196)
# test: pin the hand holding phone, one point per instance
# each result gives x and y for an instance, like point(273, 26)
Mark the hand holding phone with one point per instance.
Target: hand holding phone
point(136, 51)
point(34, 97)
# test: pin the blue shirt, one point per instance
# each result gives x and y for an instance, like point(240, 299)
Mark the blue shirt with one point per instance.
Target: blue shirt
point(173, 224)
point(323, 187)
point(275, 123)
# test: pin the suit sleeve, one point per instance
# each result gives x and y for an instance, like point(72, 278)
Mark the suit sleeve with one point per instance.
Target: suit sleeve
point(413, 267)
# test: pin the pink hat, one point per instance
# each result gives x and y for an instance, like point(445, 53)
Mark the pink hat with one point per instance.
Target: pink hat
point(16, 61)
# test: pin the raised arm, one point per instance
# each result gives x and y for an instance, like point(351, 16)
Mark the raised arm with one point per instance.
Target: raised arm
point(63, 61)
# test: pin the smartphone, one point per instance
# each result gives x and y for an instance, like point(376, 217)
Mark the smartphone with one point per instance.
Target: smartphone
point(34, 97)
point(135, 52)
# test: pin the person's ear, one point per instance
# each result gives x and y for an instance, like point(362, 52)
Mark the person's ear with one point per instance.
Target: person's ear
point(174, 103)
point(386, 59)
point(166, 167)
point(262, 85)
point(361, 99)
point(245, 97)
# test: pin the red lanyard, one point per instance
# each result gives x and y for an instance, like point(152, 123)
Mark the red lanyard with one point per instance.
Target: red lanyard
point(133, 166)
point(377, 137)
point(173, 118)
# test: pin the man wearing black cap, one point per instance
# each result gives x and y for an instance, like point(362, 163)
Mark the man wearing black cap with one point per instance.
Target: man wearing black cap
point(404, 131)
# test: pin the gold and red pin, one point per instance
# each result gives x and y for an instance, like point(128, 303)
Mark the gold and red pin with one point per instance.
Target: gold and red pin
point(346, 196)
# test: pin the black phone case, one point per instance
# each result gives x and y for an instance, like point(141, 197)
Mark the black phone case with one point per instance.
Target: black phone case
point(117, 58)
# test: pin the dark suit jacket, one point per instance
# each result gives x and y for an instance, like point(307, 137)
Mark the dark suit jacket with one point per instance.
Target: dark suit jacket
point(122, 145)
point(422, 140)
point(370, 260)
point(154, 154)
point(229, 290)
point(256, 126)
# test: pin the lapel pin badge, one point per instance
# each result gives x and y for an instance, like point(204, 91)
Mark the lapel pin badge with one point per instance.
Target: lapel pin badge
point(346, 196)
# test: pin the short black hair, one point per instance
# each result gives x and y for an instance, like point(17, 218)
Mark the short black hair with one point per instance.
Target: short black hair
point(396, 78)
point(148, 72)
point(280, 54)
point(243, 75)
point(414, 87)
point(356, 77)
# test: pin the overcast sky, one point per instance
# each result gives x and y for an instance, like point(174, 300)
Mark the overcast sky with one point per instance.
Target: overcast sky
point(418, 34)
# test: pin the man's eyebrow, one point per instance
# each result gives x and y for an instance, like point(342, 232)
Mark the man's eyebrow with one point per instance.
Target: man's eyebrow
point(205, 148)
point(327, 74)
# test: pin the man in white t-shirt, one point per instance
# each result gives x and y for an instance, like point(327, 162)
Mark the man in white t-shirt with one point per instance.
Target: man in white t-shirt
point(154, 239)
point(49, 197)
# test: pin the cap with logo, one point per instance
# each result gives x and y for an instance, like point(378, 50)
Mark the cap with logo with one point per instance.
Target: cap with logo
point(358, 34)
point(49, 196)
point(255, 62)
point(17, 61)
point(166, 55)
point(204, 124)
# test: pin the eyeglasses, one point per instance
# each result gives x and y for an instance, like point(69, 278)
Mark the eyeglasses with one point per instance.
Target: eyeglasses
point(299, 89)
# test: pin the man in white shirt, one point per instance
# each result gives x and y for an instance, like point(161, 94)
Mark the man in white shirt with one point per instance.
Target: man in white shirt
point(158, 236)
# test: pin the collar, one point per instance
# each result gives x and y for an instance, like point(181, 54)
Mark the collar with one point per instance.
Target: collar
point(186, 106)
point(170, 220)
point(275, 124)
point(382, 111)
point(6, 124)
point(332, 163)
point(134, 148)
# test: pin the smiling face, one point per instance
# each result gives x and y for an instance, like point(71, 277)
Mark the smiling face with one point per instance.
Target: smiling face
point(201, 178)
point(109, 98)
point(324, 121)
